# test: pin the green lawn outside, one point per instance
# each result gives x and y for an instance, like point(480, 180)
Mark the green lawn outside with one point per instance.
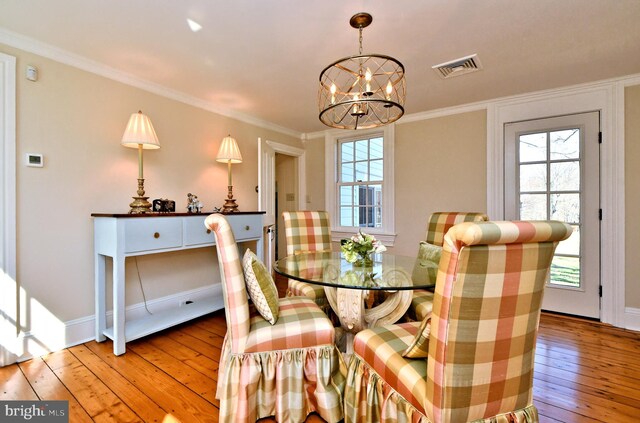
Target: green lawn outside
point(566, 271)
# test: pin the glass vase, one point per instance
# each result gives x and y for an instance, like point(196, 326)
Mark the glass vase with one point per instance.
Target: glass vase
point(364, 261)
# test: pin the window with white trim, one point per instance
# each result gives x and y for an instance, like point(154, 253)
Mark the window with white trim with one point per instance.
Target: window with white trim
point(359, 183)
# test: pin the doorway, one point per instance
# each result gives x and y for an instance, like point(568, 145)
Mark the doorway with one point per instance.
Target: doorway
point(552, 171)
point(286, 197)
point(292, 157)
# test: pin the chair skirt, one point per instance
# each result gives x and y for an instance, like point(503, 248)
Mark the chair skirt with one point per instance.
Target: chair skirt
point(293, 369)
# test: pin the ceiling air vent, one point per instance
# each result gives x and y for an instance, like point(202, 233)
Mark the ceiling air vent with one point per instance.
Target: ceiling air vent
point(458, 67)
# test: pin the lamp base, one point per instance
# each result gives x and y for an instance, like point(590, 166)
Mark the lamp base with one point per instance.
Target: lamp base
point(140, 204)
point(230, 205)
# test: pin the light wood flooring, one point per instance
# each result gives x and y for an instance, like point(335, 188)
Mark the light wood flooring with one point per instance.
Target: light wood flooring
point(585, 372)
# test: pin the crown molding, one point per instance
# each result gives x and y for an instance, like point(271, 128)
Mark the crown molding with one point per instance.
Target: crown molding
point(627, 80)
point(57, 54)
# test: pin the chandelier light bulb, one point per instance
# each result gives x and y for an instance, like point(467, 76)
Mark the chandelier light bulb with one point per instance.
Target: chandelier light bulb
point(389, 91)
point(367, 77)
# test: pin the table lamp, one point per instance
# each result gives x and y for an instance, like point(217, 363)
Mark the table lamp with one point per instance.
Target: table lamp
point(229, 153)
point(140, 134)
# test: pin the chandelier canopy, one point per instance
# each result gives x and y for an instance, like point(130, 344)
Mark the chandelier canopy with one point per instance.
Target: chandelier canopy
point(363, 91)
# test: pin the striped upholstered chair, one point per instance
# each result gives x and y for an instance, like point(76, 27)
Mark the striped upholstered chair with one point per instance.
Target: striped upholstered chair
point(473, 359)
point(438, 225)
point(307, 231)
point(288, 369)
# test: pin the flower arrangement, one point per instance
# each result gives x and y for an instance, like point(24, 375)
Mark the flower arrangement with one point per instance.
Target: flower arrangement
point(359, 247)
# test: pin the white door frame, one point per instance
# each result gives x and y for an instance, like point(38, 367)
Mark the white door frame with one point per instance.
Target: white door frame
point(601, 97)
point(267, 176)
point(8, 282)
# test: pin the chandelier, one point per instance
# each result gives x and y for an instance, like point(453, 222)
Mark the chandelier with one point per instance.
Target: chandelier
point(363, 91)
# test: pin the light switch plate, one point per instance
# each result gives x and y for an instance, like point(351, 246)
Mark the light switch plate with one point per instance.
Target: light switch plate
point(34, 160)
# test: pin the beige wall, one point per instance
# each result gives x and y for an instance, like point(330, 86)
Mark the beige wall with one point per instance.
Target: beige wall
point(315, 174)
point(632, 194)
point(76, 119)
point(440, 165)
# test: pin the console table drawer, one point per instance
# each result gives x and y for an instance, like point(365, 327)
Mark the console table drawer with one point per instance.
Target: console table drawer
point(247, 227)
point(152, 234)
point(195, 232)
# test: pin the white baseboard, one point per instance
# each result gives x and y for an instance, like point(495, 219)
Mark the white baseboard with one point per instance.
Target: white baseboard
point(632, 318)
point(78, 331)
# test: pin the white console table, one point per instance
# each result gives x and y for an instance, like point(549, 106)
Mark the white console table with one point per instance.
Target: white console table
point(125, 235)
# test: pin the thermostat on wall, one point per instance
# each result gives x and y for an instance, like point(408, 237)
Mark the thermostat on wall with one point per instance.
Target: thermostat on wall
point(35, 160)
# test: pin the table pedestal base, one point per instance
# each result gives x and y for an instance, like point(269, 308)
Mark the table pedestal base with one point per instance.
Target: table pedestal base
point(349, 306)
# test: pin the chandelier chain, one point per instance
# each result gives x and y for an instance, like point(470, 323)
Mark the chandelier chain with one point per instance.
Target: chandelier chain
point(360, 40)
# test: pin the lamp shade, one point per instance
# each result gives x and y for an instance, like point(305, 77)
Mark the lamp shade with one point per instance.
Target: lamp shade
point(140, 132)
point(229, 151)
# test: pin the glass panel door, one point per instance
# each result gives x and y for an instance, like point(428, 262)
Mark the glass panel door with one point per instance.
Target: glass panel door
point(552, 173)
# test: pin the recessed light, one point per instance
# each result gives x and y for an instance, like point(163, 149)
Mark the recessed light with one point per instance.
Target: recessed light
point(195, 26)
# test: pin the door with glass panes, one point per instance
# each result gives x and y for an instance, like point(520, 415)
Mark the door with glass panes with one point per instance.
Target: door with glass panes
point(552, 171)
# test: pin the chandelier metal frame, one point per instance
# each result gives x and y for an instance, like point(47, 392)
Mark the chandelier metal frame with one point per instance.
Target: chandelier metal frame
point(361, 91)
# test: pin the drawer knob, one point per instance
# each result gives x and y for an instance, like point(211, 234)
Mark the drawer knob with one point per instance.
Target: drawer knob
point(246, 228)
point(208, 231)
point(156, 235)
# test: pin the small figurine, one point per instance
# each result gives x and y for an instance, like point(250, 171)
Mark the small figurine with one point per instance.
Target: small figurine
point(193, 204)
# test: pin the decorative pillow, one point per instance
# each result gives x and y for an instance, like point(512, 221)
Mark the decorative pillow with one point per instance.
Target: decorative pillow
point(419, 348)
point(261, 287)
point(426, 268)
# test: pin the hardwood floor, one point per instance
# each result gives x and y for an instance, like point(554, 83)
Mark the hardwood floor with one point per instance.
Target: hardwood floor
point(585, 372)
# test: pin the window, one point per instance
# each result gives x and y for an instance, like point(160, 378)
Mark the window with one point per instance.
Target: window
point(360, 177)
point(549, 188)
point(359, 183)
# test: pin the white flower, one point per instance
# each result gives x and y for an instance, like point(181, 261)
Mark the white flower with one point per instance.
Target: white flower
point(360, 245)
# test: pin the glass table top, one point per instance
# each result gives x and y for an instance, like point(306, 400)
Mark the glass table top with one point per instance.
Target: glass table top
point(389, 271)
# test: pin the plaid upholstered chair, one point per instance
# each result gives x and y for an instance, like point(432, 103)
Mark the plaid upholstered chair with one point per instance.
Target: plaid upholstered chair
point(288, 369)
point(438, 225)
point(473, 359)
point(307, 231)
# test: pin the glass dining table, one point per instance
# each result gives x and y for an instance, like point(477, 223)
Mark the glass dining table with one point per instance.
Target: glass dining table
point(348, 287)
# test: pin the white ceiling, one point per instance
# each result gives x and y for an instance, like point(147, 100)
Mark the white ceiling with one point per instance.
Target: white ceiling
point(262, 58)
